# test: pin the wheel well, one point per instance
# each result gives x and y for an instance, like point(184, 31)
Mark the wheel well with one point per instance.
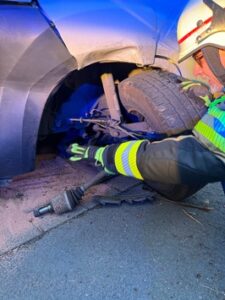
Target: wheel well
point(75, 95)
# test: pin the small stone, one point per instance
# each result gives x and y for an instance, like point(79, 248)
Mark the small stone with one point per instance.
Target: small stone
point(19, 195)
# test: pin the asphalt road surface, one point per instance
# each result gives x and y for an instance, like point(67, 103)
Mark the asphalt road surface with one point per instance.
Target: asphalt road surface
point(147, 251)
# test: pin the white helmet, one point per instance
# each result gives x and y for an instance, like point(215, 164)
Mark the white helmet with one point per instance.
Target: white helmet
point(202, 26)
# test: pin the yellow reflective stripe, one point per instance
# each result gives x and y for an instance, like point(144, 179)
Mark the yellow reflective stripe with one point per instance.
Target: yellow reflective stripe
point(126, 163)
point(119, 159)
point(133, 160)
point(206, 100)
point(211, 135)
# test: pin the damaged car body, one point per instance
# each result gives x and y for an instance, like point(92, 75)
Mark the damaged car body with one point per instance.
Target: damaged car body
point(83, 71)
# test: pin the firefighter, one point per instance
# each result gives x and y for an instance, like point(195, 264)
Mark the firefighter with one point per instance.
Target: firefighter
point(192, 160)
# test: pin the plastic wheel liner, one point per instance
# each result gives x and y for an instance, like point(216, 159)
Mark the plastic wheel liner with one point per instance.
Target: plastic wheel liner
point(33, 60)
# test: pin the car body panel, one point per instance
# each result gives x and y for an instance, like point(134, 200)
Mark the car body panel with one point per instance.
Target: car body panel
point(115, 30)
point(33, 60)
point(103, 30)
point(42, 42)
point(18, 1)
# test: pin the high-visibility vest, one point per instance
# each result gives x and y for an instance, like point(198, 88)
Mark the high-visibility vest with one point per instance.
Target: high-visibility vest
point(212, 126)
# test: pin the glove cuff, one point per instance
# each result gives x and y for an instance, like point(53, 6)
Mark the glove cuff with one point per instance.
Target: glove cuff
point(91, 151)
point(100, 155)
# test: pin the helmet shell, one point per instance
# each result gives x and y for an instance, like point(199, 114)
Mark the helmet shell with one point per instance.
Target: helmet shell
point(195, 20)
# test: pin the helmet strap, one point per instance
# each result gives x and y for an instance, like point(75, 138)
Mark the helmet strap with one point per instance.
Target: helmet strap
point(212, 57)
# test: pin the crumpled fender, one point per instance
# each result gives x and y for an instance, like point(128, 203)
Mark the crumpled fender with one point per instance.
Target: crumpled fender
point(32, 61)
point(105, 30)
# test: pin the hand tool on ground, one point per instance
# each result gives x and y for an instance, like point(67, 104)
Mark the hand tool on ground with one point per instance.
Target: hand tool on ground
point(69, 199)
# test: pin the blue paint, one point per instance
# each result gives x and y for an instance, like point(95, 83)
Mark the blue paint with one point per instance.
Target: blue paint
point(152, 136)
point(167, 12)
point(79, 104)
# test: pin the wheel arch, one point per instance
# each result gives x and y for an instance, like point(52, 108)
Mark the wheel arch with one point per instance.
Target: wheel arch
point(33, 61)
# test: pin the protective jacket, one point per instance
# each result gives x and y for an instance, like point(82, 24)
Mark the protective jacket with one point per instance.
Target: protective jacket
point(210, 130)
point(189, 161)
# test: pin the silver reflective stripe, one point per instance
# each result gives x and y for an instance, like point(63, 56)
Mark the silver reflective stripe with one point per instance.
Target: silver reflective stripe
point(125, 159)
point(209, 120)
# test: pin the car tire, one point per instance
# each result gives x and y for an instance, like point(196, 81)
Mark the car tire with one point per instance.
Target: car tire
point(155, 96)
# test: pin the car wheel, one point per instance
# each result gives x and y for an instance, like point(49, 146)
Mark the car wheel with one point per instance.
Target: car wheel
point(155, 97)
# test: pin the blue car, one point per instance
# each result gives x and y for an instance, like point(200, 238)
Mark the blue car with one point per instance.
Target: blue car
point(91, 71)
